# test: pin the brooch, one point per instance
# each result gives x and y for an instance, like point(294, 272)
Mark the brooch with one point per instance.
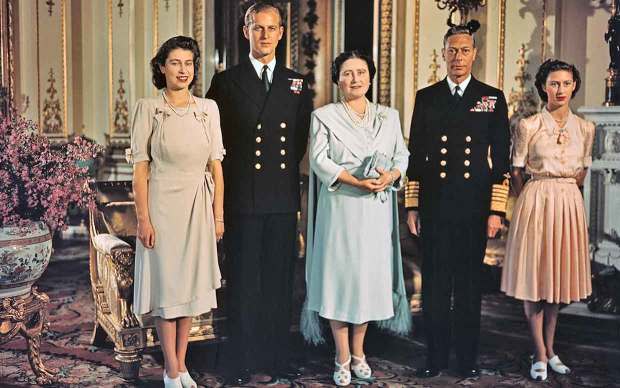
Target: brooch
point(297, 85)
point(485, 104)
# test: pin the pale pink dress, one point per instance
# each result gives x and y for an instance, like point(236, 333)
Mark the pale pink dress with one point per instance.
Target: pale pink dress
point(547, 255)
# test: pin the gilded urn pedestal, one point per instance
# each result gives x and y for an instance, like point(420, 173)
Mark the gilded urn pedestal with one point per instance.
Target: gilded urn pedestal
point(24, 254)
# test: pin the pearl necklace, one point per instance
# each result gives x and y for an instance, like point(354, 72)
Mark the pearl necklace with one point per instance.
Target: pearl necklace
point(189, 103)
point(358, 119)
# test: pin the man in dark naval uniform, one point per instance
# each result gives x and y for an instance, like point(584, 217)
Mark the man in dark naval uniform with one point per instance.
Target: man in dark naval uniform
point(456, 198)
point(265, 117)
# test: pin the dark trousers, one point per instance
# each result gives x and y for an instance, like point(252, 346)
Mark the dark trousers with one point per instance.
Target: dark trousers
point(260, 255)
point(453, 253)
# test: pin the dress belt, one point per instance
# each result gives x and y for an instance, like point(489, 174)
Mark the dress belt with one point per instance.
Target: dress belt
point(555, 179)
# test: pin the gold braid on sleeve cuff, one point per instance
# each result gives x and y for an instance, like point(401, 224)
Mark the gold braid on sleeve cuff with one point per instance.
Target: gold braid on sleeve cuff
point(499, 196)
point(412, 194)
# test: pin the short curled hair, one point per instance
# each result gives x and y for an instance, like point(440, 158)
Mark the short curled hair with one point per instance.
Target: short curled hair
point(343, 57)
point(261, 6)
point(182, 42)
point(548, 67)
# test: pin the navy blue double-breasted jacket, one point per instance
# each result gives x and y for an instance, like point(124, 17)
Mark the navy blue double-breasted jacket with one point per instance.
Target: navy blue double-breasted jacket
point(265, 136)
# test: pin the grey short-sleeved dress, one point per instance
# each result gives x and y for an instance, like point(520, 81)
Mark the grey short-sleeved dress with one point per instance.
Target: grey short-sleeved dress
point(179, 276)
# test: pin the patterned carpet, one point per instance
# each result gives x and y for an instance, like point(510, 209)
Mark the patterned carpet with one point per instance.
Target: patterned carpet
point(591, 348)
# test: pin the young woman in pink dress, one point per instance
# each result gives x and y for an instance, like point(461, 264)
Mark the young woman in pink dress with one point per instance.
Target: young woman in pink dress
point(547, 256)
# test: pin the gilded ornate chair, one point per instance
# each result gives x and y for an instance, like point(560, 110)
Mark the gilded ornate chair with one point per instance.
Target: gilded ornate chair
point(112, 248)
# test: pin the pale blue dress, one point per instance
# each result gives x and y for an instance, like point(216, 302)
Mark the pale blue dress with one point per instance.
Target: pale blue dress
point(353, 268)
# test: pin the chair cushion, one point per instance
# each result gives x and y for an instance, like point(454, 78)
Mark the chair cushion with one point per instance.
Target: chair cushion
point(107, 243)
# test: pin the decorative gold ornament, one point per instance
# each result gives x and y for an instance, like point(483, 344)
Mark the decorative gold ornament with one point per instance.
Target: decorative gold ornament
point(121, 111)
point(120, 6)
point(27, 315)
point(434, 66)
point(52, 112)
point(50, 6)
point(522, 101)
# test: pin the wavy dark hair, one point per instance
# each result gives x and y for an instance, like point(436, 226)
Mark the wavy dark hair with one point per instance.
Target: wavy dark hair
point(260, 6)
point(549, 66)
point(182, 42)
point(343, 57)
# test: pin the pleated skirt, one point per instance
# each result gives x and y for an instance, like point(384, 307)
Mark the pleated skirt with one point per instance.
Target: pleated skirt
point(547, 255)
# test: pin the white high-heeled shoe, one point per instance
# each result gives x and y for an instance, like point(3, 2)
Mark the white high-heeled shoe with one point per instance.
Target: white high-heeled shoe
point(187, 381)
point(361, 368)
point(538, 371)
point(172, 382)
point(342, 375)
point(558, 366)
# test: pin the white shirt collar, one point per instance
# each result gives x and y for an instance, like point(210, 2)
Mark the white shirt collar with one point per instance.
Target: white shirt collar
point(258, 67)
point(462, 85)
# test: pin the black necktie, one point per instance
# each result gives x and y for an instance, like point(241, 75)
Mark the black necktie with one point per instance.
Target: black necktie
point(457, 95)
point(265, 78)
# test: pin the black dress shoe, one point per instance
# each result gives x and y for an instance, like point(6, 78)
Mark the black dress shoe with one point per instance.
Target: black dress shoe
point(473, 371)
point(425, 373)
point(238, 378)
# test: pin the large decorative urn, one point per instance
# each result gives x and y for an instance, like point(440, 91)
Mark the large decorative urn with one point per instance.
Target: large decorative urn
point(24, 254)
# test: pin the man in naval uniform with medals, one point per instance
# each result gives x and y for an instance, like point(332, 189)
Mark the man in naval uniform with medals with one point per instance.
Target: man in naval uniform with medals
point(455, 197)
point(265, 117)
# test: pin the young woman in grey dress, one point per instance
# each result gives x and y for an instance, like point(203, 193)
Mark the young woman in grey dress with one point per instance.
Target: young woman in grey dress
point(354, 268)
point(176, 148)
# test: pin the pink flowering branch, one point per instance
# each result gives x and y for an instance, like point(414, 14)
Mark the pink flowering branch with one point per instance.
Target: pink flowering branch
point(39, 181)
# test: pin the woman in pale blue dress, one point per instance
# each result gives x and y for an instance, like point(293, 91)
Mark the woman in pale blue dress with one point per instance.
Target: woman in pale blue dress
point(353, 268)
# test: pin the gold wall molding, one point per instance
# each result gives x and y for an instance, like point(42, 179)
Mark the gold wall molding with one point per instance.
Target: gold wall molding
point(38, 69)
point(199, 35)
point(52, 111)
point(63, 37)
point(434, 66)
point(385, 51)
point(11, 52)
point(155, 26)
point(543, 38)
point(416, 46)
point(121, 108)
point(110, 67)
point(501, 54)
